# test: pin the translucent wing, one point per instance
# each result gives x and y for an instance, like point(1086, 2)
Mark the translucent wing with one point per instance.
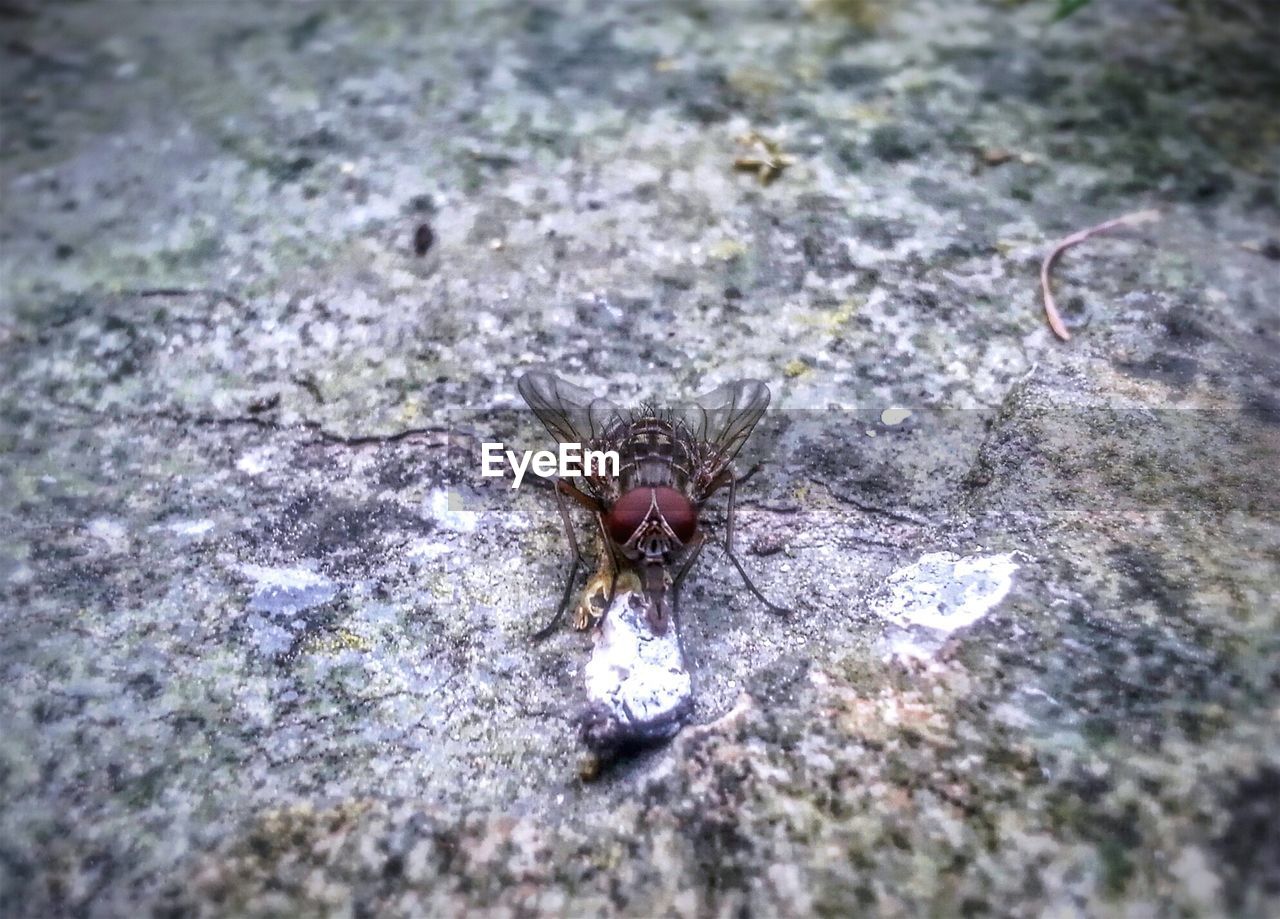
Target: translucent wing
point(725, 417)
point(570, 413)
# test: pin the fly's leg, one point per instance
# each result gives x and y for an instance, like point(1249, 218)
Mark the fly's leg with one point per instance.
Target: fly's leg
point(568, 525)
point(728, 550)
point(578, 563)
point(598, 593)
point(564, 602)
point(613, 562)
point(695, 549)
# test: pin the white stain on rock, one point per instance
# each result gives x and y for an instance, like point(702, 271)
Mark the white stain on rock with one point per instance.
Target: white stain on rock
point(446, 508)
point(253, 463)
point(112, 532)
point(941, 593)
point(428, 549)
point(191, 528)
point(281, 591)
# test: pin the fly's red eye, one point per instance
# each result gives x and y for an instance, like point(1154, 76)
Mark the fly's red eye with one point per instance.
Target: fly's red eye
point(678, 512)
point(627, 515)
point(633, 507)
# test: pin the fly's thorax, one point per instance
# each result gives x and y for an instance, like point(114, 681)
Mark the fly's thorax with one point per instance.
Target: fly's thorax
point(653, 451)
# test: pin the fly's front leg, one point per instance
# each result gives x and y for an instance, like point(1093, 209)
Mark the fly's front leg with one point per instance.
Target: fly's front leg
point(613, 562)
point(728, 550)
point(568, 524)
point(598, 593)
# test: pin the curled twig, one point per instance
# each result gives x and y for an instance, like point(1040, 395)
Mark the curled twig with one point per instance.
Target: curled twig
point(1050, 305)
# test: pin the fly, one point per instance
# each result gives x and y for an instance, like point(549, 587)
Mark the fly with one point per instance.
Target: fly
point(671, 463)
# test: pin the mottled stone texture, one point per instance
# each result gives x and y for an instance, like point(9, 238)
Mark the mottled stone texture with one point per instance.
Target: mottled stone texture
point(264, 652)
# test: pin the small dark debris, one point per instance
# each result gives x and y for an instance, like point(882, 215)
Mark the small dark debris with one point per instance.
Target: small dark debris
point(1183, 322)
point(423, 238)
point(1213, 185)
point(11, 10)
point(292, 168)
point(1268, 248)
point(309, 384)
point(767, 544)
point(843, 76)
point(421, 204)
point(1149, 580)
point(264, 404)
point(1076, 313)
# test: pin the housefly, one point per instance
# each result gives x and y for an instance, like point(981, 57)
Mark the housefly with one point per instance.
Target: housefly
point(671, 462)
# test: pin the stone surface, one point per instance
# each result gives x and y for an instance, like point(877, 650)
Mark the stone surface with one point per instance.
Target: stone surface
point(264, 642)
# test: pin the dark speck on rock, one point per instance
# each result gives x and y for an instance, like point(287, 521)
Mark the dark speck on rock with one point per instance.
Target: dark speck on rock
point(880, 233)
point(1249, 846)
point(1166, 366)
point(421, 204)
point(843, 76)
point(423, 238)
point(1150, 579)
point(1264, 406)
point(1184, 322)
point(305, 31)
point(264, 404)
point(891, 143)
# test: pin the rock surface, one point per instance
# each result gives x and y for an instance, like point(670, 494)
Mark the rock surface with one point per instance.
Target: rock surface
point(264, 628)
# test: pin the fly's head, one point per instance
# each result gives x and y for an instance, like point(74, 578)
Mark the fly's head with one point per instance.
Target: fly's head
point(649, 525)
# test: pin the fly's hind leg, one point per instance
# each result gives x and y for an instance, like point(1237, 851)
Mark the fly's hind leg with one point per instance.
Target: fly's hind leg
point(728, 550)
point(564, 602)
point(579, 562)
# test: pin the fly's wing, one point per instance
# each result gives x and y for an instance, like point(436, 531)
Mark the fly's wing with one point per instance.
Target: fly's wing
point(570, 413)
point(721, 421)
point(573, 415)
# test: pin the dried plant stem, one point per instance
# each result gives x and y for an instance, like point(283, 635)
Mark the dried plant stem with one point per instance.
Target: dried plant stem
point(1050, 305)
